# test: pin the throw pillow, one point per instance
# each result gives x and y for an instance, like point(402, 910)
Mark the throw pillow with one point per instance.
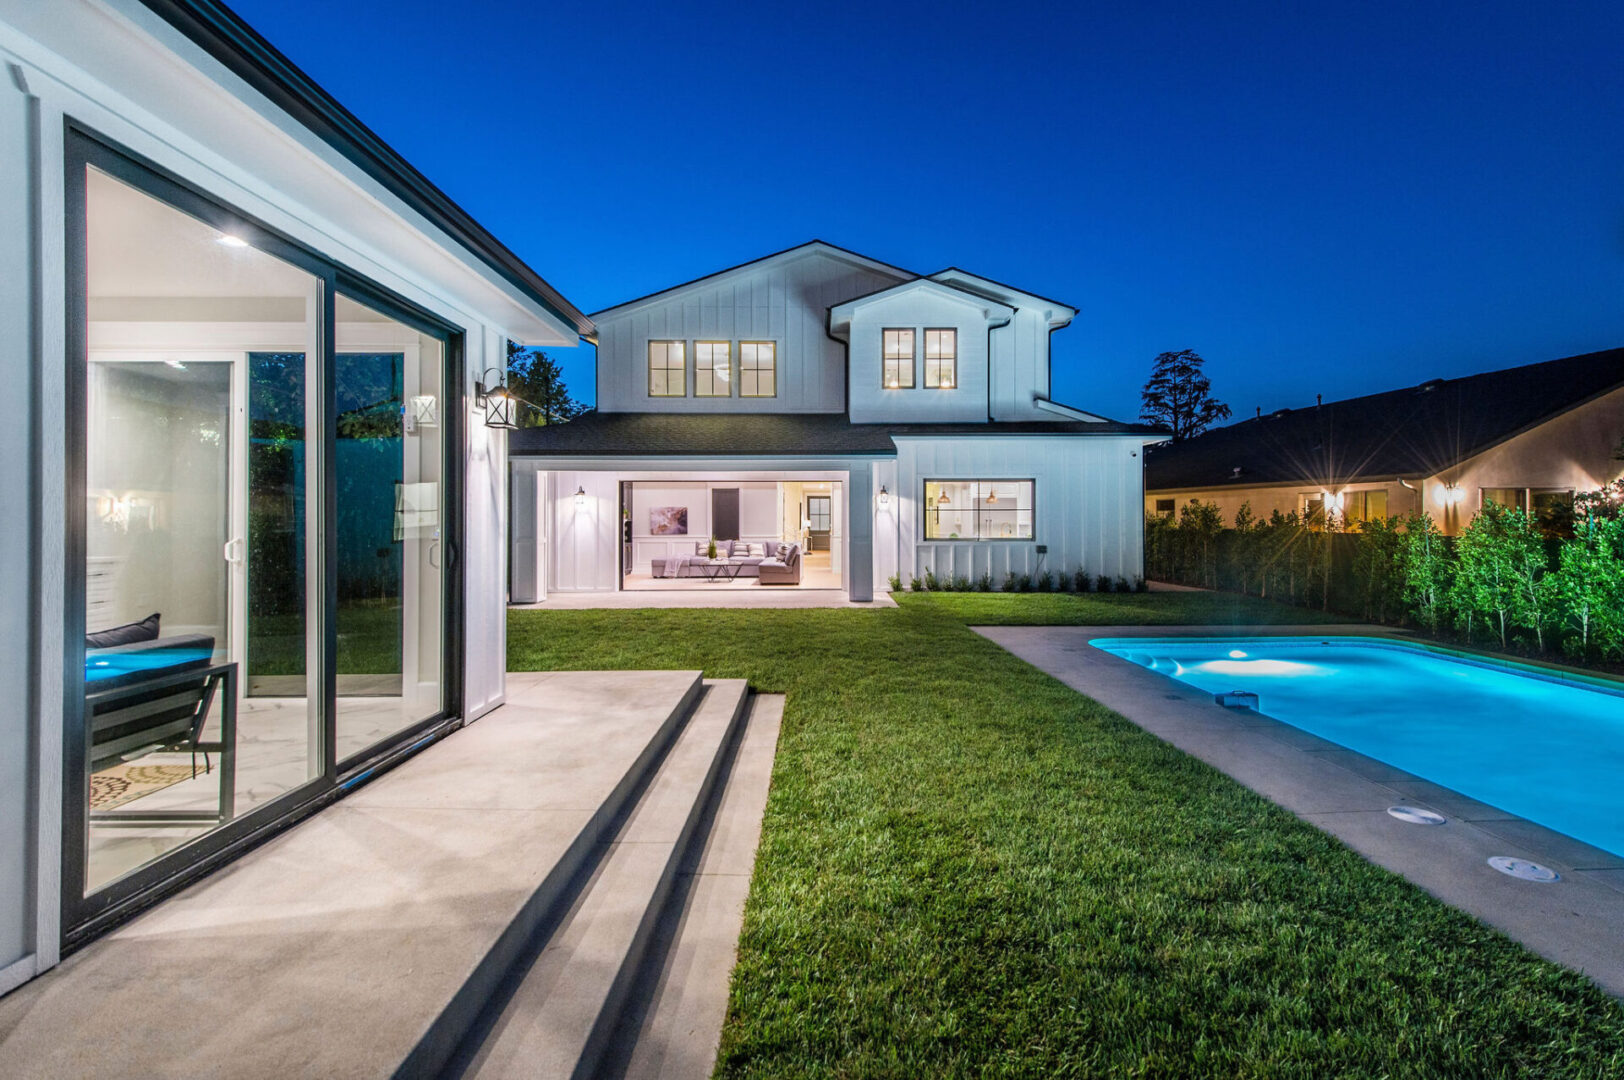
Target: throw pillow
point(758, 550)
point(145, 630)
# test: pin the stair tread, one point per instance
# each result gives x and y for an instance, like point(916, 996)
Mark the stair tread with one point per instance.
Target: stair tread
point(546, 1026)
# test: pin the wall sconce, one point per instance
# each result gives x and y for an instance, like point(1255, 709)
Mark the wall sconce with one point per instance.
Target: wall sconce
point(885, 497)
point(1453, 496)
point(580, 497)
point(497, 401)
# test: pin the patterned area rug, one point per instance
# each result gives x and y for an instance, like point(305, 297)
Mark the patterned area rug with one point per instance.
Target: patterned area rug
point(126, 783)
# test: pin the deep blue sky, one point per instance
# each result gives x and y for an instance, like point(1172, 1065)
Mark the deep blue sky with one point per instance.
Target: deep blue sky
point(1336, 200)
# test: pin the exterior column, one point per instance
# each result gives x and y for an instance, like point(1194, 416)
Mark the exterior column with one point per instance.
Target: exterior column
point(860, 532)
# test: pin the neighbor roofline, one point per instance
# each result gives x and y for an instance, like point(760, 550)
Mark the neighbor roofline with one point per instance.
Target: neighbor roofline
point(884, 267)
point(224, 35)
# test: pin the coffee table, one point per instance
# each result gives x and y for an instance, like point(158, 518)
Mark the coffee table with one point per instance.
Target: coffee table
point(719, 569)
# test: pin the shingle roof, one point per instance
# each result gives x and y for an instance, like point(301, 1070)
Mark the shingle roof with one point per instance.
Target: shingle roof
point(1417, 431)
point(759, 434)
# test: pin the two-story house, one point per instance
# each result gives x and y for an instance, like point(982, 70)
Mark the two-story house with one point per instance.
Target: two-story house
point(886, 422)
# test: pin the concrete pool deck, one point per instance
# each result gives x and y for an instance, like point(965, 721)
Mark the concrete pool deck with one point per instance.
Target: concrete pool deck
point(1577, 921)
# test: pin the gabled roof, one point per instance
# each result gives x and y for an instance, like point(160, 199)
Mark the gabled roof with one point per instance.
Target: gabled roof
point(597, 434)
point(225, 36)
point(1059, 315)
point(1415, 432)
point(841, 313)
point(799, 251)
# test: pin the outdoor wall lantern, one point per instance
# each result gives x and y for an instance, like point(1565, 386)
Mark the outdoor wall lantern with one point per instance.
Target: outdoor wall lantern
point(497, 401)
point(1453, 495)
point(580, 497)
point(885, 497)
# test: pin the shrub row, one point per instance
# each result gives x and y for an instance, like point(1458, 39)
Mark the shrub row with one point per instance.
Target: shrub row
point(1077, 581)
point(1501, 581)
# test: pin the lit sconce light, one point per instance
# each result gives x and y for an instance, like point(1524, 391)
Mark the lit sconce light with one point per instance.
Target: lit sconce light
point(885, 497)
point(580, 497)
point(1332, 502)
point(1453, 495)
point(231, 241)
point(426, 410)
point(497, 401)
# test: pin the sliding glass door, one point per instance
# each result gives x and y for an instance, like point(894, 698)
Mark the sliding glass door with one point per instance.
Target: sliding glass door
point(257, 513)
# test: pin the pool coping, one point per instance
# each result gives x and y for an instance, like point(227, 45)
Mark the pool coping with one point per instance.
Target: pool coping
point(1576, 921)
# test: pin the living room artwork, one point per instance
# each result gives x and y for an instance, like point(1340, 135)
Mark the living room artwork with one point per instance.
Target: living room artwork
point(668, 521)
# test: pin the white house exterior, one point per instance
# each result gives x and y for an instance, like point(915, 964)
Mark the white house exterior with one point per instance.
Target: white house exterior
point(919, 406)
point(242, 338)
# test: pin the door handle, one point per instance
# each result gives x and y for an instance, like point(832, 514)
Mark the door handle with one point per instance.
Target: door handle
point(434, 552)
point(233, 551)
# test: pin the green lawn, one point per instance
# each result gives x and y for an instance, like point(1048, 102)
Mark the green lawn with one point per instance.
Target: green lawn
point(968, 869)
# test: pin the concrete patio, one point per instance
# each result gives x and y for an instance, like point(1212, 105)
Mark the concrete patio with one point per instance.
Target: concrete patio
point(374, 939)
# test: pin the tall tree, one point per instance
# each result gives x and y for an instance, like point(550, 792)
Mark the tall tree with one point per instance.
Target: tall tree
point(1178, 395)
point(538, 382)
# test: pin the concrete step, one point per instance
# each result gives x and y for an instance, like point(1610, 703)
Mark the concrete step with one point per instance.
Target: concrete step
point(365, 941)
point(557, 1010)
point(672, 1027)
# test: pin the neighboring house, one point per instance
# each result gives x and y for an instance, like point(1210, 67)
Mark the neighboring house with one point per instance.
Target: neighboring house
point(888, 422)
point(241, 342)
point(1528, 437)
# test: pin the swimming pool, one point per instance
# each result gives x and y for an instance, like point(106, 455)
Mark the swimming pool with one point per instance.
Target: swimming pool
point(1544, 747)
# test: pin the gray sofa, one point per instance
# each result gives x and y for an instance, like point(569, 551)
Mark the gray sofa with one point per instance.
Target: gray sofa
point(734, 551)
point(782, 571)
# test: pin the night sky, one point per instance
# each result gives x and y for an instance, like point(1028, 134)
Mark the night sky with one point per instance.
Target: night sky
point(1337, 200)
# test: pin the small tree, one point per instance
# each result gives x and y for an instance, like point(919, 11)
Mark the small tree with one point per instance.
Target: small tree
point(538, 382)
point(1488, 581)
point(1178, 395)
point(1427, 570)
point(1200, 523)
point(1589, 584)
point(1376, 564)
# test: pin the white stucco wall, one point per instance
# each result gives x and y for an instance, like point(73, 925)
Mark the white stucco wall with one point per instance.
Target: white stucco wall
point(1088, 504)
point(780, 301)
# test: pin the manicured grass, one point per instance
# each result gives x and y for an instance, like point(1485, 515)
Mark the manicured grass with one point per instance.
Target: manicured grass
point(968, 869)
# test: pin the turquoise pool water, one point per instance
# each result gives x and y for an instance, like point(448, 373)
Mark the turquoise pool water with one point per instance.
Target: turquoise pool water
point(1547, 749)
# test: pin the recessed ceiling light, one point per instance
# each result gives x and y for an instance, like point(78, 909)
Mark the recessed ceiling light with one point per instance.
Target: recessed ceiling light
point(232, 241)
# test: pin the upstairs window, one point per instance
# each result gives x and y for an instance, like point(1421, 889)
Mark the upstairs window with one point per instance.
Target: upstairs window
point(897, 347)
point(713, 369)
point(758, 369)
point(978, 509)
point(941, 359)
point(667, 369)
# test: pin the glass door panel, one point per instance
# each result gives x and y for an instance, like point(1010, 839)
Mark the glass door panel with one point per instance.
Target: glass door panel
point(176, 740)
point(389, 467)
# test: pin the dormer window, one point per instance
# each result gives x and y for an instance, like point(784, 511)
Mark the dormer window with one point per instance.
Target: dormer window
point(897, 354)
point(941, 359)
point(667, 369)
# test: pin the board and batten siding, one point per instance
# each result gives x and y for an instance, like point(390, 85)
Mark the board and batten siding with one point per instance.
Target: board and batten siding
point(785, 302)
point(1088, 500)
point(1020, 367)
